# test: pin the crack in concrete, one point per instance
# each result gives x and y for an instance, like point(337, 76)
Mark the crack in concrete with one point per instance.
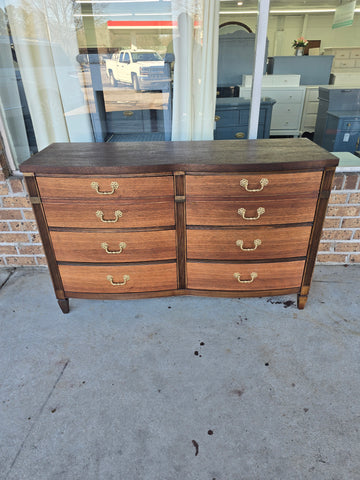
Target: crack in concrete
point(11, 273)
point(37, 417)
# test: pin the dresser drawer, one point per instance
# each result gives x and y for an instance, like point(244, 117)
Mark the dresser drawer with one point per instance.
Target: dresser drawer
point(244, 277)
point(287, 116)
point(111, 214)
point(114, 247)
point(119, 279)
point(306, 183)
point(105, 187)
point(249, 212)
point(261, 243)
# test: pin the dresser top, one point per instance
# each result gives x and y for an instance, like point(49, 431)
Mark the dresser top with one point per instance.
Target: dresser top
point(153, 157)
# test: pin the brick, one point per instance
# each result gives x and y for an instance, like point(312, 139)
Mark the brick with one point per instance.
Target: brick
point(354, 198)
point(354, 258)
point(2, 262)
point(28, 214)
point(35, 238)
point(347, 247)
point(336, 234)
point(10, 214)
point(7, 250)
point(23, 226)
point(4, 227)
point(16, 185)
point(351, 181)
point(2, 176)
point(31, 250)
point(41, 260)
point(20, 260)
point(330, 258)
point(338, 181)
point(16, 202)
point(349, 211)
point(338, 198)
point(332, 223)
point(4, 189)
point(350, 223)
point(356, 235)
point(14, 238)
point(325, 246)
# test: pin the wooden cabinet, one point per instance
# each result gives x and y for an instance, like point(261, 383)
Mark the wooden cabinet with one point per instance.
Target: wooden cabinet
point(222, 218)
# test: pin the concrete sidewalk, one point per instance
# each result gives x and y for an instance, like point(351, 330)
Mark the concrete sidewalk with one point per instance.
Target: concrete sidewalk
point(185, 388)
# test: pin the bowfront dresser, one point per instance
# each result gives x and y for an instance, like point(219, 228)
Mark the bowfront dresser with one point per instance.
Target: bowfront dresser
point(219, 218)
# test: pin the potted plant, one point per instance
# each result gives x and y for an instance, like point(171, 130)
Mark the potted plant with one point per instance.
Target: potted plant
point(299, 44)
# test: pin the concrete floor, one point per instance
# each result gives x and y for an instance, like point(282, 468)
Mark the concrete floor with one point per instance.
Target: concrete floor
point(184, 388)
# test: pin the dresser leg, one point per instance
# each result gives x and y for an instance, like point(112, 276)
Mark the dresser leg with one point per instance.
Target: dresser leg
point(64, 305)
point(301, 301)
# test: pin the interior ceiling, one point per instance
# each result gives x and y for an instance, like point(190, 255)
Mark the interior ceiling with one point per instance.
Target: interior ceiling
point(284, 4)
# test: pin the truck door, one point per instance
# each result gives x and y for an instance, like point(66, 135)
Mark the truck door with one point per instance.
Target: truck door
point(127, 68)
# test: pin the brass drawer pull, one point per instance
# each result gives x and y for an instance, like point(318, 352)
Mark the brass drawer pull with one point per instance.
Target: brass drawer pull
point(126, 278)
point(118, 214)
point(114, 187)
point(105, 246)
point(242, 213)
point(240, 135)
point(244, 183)
point(128, 113)
point(240, 243)
point(217, 118)
point(253, 275)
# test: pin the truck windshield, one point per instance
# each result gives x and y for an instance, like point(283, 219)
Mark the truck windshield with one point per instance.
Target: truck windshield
point(146, 57)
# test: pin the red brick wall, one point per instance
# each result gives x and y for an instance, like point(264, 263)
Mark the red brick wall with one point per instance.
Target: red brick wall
point(20, 242)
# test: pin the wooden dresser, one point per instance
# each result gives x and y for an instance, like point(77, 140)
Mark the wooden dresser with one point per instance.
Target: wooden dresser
point(224, 218)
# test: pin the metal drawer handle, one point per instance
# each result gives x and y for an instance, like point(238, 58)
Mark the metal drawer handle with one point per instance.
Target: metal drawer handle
point(126, 278)
point(242, 213)
point(128, 113)
point(240, 243)
point(100, 214)
point(240, 135)
point(114, 187)
point(105, 246)
point(217, 118)
point(244, 183)
point(253, 275)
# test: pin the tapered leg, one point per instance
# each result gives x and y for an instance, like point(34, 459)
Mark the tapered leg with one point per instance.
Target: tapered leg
point(301, 301)
point(64, 305)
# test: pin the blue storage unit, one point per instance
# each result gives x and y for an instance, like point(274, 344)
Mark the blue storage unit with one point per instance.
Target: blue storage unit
point(232, 118)
point(314, 70)
point(338, 120)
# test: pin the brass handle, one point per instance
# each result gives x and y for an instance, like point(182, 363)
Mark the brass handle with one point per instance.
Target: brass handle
point(253, 275)
point(217, 118)
point(240, 243)
point(242, 213)
point(240, 135)
point(126, 278)
point(114, 187)
point(100, 214)
point(128, 113)
point(105, 246)
point(244, 183)
point(357, 143)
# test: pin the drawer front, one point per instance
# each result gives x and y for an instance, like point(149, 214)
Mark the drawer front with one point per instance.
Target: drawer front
point(285, 116)
point(231, 133)
point(346, 63)
point(244, 277)
point(341, 53)
point(313, 95)
point(120, 214)
point(118, 279)
point(113, 246)
point(250, 213)
point(355, 53)
point(260, 243)
point(312, 108)
point(105, 187)
point(284, 96)
point(307, 183)
point(224, 118)
point(309, 120)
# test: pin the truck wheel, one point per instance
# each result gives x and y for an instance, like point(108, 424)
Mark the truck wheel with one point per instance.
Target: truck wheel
point(135, 83)
point(113, 82)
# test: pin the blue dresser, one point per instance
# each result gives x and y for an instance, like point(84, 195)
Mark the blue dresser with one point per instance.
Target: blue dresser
point(338, 121)
point(232, 118)
point(314, 70)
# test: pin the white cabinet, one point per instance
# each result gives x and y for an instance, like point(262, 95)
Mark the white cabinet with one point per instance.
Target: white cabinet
point(347, 59)
point(311, 103)
point(287, 111)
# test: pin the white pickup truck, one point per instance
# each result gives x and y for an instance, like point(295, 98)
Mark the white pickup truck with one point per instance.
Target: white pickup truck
point(143, 69)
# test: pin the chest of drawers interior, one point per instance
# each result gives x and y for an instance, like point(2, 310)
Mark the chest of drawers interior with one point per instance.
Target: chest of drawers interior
point(227, 228)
